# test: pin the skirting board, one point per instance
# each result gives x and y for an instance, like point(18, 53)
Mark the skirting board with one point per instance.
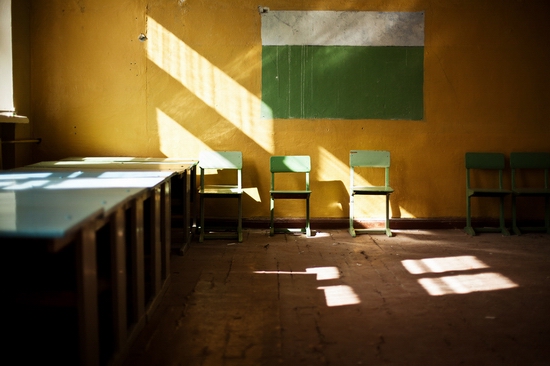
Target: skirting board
point(343, 223)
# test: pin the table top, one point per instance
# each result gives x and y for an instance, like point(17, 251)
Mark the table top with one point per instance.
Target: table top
point(50, 204)
point(130, 159)
point(67, 173)
point(176, 166)
point(49, 199)
point(52, 213)
point(65, 180)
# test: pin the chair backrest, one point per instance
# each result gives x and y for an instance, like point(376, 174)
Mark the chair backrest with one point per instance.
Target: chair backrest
point(530, 160)
point(370, 159)
point(477, 160)
point(221, 160)
point(290, 164)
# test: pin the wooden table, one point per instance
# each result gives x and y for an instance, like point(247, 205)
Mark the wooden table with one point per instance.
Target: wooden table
point(184, 177)
point(104, 221)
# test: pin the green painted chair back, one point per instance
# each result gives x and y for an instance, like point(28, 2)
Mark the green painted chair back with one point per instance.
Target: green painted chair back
point(221, 160)
point(475, 160)
point(485, 161)
point(533, 161)
point(530, 160)
point(290, 164)
point(372, 159)
point(491, 161)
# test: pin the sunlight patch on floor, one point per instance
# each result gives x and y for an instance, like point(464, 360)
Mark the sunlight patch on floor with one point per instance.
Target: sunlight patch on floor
point(456, 283)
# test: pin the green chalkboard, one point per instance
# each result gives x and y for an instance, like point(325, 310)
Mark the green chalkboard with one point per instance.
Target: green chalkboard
point(343, 82)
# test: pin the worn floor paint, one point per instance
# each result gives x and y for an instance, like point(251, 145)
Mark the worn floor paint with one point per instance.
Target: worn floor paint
point(335, 300)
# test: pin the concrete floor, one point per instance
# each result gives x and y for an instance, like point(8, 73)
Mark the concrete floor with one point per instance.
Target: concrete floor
point(420, 298)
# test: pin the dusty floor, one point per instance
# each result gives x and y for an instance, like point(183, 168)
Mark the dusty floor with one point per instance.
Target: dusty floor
point(420, 298)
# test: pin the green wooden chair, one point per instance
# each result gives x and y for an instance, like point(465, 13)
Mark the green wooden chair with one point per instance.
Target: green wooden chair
point(285, 165)
point(221, 160)
point(485, 161)
point(369, 159)
point(521, 162)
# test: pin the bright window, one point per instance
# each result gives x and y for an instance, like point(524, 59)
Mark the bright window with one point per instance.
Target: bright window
point(6, 60)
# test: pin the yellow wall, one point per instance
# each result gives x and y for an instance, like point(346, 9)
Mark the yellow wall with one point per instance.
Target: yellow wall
point(195, 84)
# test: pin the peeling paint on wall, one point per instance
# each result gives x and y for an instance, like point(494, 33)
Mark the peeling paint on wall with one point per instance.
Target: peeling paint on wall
point(342, 65)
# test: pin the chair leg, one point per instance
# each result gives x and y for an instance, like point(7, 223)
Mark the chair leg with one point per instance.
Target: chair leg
point(201, 228)
point(308, 229)
point(240, 221)
point(515, 227)
point(503, 229)
point(469, 229)
point(351, 216)
point(388, 231)
point(547, 214)
point(271, 224)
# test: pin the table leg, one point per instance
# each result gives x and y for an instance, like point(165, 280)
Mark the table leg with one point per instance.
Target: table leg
point(87, 296)
point(118, 275)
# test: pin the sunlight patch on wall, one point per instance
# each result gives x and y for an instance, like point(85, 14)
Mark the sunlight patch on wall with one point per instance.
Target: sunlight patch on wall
point(461, 283)
point(330, 167)
point(210, 84)
point(176, 141)
point(253, 193)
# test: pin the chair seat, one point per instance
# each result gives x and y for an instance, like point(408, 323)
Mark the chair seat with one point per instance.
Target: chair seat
point(221, 190)
point(531, 191)
point(372, 190)
point(487, 192)
point(290, 194)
